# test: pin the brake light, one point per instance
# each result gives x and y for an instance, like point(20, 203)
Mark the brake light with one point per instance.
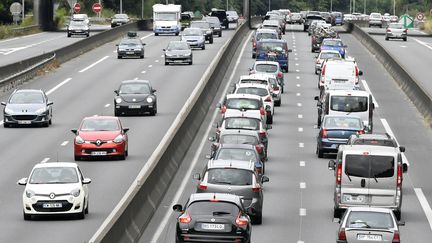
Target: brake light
point(241, 221)
point(259, 148)
point(323, 70)
point(405, 31)
point(399, 176)
point(396, 237)
point(262, 111)
point(388, 30)
point(280, 75)
point(263, 134)
point(341, 234)
point(361, 132)
point(256, 188)
point(339, 174)
point(185, 218)
point(202, 186)
point(268, 99)
point(254, 44)
point(276, 88)
point(356, 72)
point(324, 133)
point(223, 109)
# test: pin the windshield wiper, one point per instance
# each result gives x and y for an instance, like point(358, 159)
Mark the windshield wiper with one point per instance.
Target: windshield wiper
point(374, 176)
point(349, 178)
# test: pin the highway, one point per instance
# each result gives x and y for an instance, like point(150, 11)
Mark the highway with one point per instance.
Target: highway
point(84, 87)
point(298, 200)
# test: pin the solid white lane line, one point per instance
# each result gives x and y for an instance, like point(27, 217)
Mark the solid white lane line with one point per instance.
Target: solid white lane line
point(300, 116)
point(94, 64)
point(44, 160)
point(302, 163)
point(107, 105)
point(302, 185)
point(301, 145)
point(150, 66)
point(302, 212)
point(424, 204)
point(300, 129)
point(142, 38)
point(366, 86)
point(423, 43)
point(389, 131)
point(298, 94)
point(58, 86)
point(186, 179)
point(64, 143)
point(144, 71)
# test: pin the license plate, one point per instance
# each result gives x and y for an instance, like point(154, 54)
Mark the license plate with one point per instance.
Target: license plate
point(339, 80)
point(129, 52)
point(354, 199)
point(24, 122)
point(369, 237)
point(213, 226)
point(98, 153)
point(52, 205)
point(134, 106)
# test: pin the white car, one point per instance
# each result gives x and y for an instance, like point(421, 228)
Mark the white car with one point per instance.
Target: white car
point(324, 55)
point(267, 79)
point(55, 188)
point(250, 104)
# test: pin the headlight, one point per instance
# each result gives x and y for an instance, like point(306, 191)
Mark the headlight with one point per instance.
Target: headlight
point(79, 140)
point(8, 111)
point(118, 100)
point(41, 110)
point(29, 193)
point(188, 54)
point(118, 139)
point(75, 192)
point(149, 99)
point(137, 49)
point(168, 55)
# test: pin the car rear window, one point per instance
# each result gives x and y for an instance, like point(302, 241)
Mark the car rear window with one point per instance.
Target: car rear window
point(241, 123)
point(375, 220)
point(201, 25)
point(229, 176)
point(253, 81)
point(327, 55)
point(252, 90)
point(376, 142)
point(238, 139)
point(396, 26)
point(247, 104)
point(236, 154)
point(349, 103)
point(272, 46)
point(369, 166)
point(375, 15)
point(134, 88)
point(266, 68)
point(99, 125)
point(342, 123)
point(337, 43)
point(260, 36)
point(209, 208)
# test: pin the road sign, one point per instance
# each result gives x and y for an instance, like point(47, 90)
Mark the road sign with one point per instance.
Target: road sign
point(407, 21)
point(97, 7)
point(77, 7)
point(420, 16)
point(15, 8)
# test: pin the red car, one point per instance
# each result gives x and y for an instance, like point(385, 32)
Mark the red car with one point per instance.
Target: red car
point(100, 136)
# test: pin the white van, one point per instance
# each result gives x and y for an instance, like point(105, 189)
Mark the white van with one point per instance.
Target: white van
point(339, 71)
point(368, 176)
point(347, 102)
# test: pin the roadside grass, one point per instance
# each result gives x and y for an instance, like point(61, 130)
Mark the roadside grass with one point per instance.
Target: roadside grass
point(13, 30)
point(428, 25)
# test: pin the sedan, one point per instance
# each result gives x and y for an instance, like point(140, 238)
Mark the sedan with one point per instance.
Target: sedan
point(396, 31)
point(119, 19)
point(55, 188)
point(135, 97)
point(27, 107)
point(178, 52)
point(205, 27)
point(213, 217)
point(324, 55)
point(100, 136)
point(368, 224)
point(130, 47)
point(78, 28)
point(335, 131)
point(194, 37)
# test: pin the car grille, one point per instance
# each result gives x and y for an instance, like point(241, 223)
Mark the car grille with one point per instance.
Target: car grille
point(66, 206)
point(107, 150)
point(24, 117)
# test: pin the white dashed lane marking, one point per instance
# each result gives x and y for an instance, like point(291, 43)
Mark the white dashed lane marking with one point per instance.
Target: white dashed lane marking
point(64, 143)
point(45, 160)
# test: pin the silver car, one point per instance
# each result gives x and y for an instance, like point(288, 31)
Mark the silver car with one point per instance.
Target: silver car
point(235, 177)
point(396, 31)
point(178, 52)
point(375, 19)
point(194, 37)
point(368, 225)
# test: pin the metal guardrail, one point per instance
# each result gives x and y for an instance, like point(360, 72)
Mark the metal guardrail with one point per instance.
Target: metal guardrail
point(413, 89)
point(22, 30)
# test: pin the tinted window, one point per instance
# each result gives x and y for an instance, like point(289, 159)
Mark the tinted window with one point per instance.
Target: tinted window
point(327, 55)
point(349, 103)
point(130, 42)
point(252, 90)
point(192, 32)
point(369, 220)
point(166, 16)
point(134, 88)
point(260, 36)
point(238, 139)
point(271, 46)
point(266, 68)
point(343, 122)
point(253, 81)
point(208, 208)
point(54, 175)
point(242, 123)
point(99, 125)
point(178, 45)
point(201, 25)
point(248, 104)
point(27, 98)
point(396, 26)
point(369, 166)
point(237, 154)
point(228, 176)
point(120, 16)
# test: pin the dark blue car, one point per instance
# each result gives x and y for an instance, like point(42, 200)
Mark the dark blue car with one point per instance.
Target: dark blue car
point(334, 44)
point(273, 50)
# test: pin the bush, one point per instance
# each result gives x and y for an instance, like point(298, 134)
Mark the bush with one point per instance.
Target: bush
point(60, 17)
point(428, 25)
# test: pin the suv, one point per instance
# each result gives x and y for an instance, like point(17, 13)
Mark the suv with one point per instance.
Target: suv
point(375, 19)
point(222, 16)
point(375, 140)
point(206, 28)
point(235, 177)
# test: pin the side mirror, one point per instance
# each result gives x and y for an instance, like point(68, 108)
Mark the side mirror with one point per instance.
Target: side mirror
point(316, 57)
point(345, 46)
point(289, 50)
point(143, 44)
point(177, 208)
point(125, 130)
point(116, 92)
point(208, 156)
point(164, 49)
point(402, 149)
point(50, 103)
point(3, 103)
point(86, 181)
point(153, 90)
point(196, 176)
point(74, 131)
point(117, 44)
point(401, 223)
point(22, 182)
point(216, 125)
point(404, 167)
point(360, 73)
point(332, 165)
point(373, 106)
point(267, 107)
point(264, 179)
point(212, 139)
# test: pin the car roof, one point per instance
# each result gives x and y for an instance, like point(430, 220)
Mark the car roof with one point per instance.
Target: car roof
point(371, 149)
point(135, 81)
point(374, 136)
point(252, 85)
point(245, 96)
point(238, 132)
point(369, 209)
point(232, 113)
point(349, 92)
point(28, 91)
point(330, 51)
point(266, 62)
point(238, 146)
point(259, 76)
point(235, 164)
point(220, 197)
point(56, 164)
point(96, 117)
point(341, 116)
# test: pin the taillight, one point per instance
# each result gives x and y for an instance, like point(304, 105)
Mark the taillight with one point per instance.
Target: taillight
point(356, 72)
point(317, 62)
point(259, 148)
point(262, 111)
point(361, 132)
point(388, 30)
point(405, 31)
point(256, 188)
point(223, 109)
point(241, 221)
point(324, 133)
point(276, 88)
point(280, 75)
point(254, 44)
point(263, 134)
point(202, 186)
point(268, 99)
point(339, 174)
point(396, 237)
point(185, 218)
point(323, 70)
point(341, 234)
point(399, 176)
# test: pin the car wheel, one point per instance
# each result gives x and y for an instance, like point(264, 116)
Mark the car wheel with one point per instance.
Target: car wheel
point(282, 90)
point(166, 63)
point(270, 119)
point(68, 35)
point(77, 158)
point(398, 214)
point(405, 39)
point(337, 213)
point(257, 219)
point(203, 47)
point(220, 34)
point(119, 57)
point(5, 125)
point(190, 62)
point(179, 241)
point(316, 71)
point(87, 208)
point(153, 112)
point(45, 124)
point(88, 35)
point(26, 216)
point(211, 40)
point(278, 102)
point(117, 113)
point(156, 34)
point(81, 215)
point(386, 38)
point(142, 56)
point(320, 152)
point(253, 55)
point(122, 156)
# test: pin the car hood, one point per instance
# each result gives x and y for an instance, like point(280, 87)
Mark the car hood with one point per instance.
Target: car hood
point(101, 135)
point(25, 108)
point(57, 189)
point(178, 52)
point(131, 98)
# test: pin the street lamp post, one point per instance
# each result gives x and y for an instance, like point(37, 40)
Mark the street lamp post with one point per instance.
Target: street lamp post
point(394, 7)
point(121, 6)
point(331, 6)
point(364, 6)
point(269, 5)
point(142, 9)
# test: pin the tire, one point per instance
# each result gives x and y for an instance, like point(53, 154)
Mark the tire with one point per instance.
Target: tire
point(337, 213)
point(117, 113)
point(176, 34)
point(26, 216)
point(87, 209)
point(405, 39)
point(45, 124)
point(119, 57)
point(220, 34)
point(166, 63)
point(316, 71)
point(211, 40)
point(270, 119)
point(190, 63)
point(156, 34)
point(278, 103)
point(5, 125)
point(398, 214)
point(254, 55)
point(122, 156)
point(77, 158)
point(203, 48)
point(257, 219)
point(320, 152)
point(153, 112)
point(50, 121)
point(386, 38)
point(88, 35)
point(68, 35)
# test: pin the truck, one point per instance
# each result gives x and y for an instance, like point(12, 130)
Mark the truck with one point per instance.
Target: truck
point(166, 19)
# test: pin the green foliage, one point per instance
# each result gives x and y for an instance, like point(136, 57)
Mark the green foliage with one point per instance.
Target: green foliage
point(60, 17)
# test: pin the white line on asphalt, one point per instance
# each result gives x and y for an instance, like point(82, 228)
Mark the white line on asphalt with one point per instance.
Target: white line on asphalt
point(182, 186)
point(294, 46)
point(298, 94)
point(144, 71)
point(302, 163)
point(424, 204)
point(298, 85)
point(300, 116)
point(295, 54)
point(302, 185)
point(142, 38)
point(295, 50)
point(298, 77)
point(403, 46)
point(162, 55)
point(94, 64)
point(390, 132)
point(107, 105)
point(156, 60)
point(366, 86)
point(296, 64)
point(297, 70)
point(423, 43)
point(58, 86)
point(300, 129)
point(296, 58)
point(302, 212)
point(44, 160)
point(301, 145)
point(299, 104)
point(64, 143)
point(150, 66)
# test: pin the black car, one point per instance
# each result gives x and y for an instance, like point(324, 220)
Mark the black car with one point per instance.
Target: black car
point(130, 47)
point(27, 107)
point(178, 52)
point(215, 25)
point(222, 16)
point(213, 217)
point(135, 97)
point(78, 28)
point(205, 26)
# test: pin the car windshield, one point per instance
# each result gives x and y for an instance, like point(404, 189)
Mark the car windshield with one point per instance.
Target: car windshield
point(227, 176)
point(54, 175)
point(166, 16)
point(336, 43)
point(193, 32)
point(376, 142)
point(134, 88)
point(374, 220)
point(242, 123)
point(264, 35)
point(252, 90)
point(99, 125)
point(266, 68)
point(178, 45)
point(130, 42)
point(236, 154)
point(213, 208)
point(214, 22)
point(343, 123)
point(328, 55)
point(201, 25)
point(238, 139)
point(349, 103)
point(375, 15)
point(242, 104)
point(27, 98)
point(254, 81)
point(369, 166)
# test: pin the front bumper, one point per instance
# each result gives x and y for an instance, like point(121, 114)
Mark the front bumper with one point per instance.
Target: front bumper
point(107, 149)
point(42, 205)
point(396, 35)
point(130, 53)
point(134, 108)
point(166, 30)
point(78, 32)
point(178, 59)
point(25, 119)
